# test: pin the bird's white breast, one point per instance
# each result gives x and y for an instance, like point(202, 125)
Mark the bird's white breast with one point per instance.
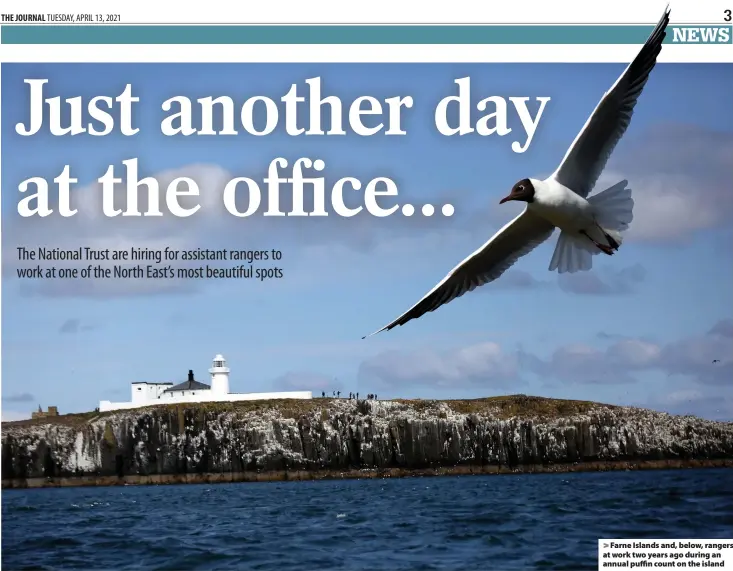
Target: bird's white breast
point(561, 206)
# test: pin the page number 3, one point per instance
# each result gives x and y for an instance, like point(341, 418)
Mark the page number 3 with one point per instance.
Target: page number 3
point(727, 16)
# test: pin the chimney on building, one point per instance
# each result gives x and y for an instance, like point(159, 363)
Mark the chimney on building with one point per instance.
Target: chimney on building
point(190, 376)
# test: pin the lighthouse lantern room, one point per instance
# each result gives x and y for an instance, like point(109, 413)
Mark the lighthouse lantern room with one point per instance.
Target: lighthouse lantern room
point(219, 376)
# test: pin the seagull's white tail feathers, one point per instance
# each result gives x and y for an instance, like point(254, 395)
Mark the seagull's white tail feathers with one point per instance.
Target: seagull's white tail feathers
point(572, 254)
point(614, 209)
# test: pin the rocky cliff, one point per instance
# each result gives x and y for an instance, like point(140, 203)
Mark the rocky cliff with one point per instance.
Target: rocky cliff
point(240, 441)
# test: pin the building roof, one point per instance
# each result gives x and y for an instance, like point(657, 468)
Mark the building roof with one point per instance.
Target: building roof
point(188, 385)
point(150, 383)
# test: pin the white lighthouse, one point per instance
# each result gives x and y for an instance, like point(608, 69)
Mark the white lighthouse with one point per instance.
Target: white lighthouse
point(219, 376)
point(146, 393)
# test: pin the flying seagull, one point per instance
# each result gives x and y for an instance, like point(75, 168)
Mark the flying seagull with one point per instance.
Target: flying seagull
point(587, 225)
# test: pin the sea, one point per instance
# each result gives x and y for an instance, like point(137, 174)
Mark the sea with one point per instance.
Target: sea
point(455, 523)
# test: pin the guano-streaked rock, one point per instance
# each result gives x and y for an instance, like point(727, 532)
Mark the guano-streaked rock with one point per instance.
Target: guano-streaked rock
point(333, 436)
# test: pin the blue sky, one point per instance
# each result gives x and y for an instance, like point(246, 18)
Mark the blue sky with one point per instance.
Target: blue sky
point(642, 328)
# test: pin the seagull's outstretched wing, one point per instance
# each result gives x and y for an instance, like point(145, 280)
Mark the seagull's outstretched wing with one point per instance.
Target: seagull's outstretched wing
point(589, 153)
point(518, 238)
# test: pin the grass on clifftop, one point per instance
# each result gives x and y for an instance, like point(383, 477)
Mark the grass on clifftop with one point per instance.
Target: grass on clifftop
point(501, 407)
point(72, 419)
point(513, 405)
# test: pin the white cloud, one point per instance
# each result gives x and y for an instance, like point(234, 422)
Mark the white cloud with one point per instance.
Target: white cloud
point(679, 175)
point(307, 381)
point(580, 363)
point(606, 281)
point(668, 207)
point(704, 359)
point(702, 363)
point(634, 353)
point(477, 363)
point(695, 401)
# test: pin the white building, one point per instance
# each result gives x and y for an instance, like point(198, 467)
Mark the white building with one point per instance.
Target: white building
point(191, 390)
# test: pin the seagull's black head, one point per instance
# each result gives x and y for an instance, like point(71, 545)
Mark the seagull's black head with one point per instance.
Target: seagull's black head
point(523, 191)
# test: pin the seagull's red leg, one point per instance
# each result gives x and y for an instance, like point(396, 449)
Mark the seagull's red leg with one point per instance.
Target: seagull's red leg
point(602, 247)
point(611, 241)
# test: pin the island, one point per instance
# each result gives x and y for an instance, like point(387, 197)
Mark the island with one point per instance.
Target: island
point(292, 439)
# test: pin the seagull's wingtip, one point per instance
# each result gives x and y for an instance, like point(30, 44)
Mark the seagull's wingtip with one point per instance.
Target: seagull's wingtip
point(373, 334)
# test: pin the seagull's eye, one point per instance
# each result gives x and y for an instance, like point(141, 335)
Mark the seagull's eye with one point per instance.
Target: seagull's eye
point(520, 187)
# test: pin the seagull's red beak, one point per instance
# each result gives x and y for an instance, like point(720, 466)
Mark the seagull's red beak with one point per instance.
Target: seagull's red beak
point(506, 199)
